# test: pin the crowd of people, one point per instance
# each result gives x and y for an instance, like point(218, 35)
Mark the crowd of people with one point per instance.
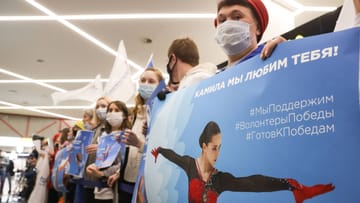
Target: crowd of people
point(240, 25)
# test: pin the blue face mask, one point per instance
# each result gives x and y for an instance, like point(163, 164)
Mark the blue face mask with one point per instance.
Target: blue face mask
point(146, 90)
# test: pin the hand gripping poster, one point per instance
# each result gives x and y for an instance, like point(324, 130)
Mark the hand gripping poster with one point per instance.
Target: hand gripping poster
point(280, 130)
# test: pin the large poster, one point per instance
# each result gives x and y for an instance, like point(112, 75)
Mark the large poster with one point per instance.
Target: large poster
point(295, 115)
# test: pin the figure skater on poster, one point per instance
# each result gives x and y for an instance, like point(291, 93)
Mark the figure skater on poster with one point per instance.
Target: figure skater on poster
point(206, 183)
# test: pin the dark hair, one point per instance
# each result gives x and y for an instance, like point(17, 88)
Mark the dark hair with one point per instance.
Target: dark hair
point(245, 3)
point(126, 123)
point(34, 154)
point(209, 131)
point(186, 50)
point(64, 134)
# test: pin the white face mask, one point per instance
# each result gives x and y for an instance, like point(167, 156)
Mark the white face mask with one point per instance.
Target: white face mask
point(233, 36)
point(101, 113)
point(114, 118)
point(145, 90)
point(87, 126)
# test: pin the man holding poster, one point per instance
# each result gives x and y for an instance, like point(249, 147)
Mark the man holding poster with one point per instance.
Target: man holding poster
point(294, 115)
point(240, 25)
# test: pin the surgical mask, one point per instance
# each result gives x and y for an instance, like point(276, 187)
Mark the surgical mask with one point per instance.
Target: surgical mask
point(87, 126)
point(233, 36)
point(101, 113)
point(145, 90)
point(114, 118)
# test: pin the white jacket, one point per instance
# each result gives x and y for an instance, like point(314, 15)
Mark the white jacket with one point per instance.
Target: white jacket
point(198, 73)
point(134, 157)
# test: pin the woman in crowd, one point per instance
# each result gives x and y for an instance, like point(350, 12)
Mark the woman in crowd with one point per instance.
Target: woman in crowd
point(116, 120)
point(87, 117)
point(85, 187)
point(148, 81)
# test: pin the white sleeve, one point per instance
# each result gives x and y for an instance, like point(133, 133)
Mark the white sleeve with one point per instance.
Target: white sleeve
point(357, 20)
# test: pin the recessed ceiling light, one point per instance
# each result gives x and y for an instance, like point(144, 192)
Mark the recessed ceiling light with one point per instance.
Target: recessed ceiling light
point(40, 60)
point(147, 40)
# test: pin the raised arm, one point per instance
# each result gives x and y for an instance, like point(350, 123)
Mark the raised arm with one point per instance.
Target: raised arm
point(182, 161)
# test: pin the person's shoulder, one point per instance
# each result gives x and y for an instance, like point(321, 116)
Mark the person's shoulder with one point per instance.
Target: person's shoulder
point(357, 20)
point(200, 72)
point(207, 67)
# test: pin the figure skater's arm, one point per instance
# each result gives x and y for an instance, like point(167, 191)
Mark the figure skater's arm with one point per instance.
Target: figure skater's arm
point(182, 161)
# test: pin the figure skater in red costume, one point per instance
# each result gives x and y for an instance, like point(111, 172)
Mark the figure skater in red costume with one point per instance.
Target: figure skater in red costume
point(206, 183)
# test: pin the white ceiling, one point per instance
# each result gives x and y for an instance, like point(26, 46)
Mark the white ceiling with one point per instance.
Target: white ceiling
point(67, 55)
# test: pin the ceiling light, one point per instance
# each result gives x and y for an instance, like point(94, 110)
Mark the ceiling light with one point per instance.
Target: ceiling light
point(320, 8)
point(139, 16)
point(289, 4)
point(38, 110)
point(26, 18)
point(79, 31)
point(50, 107)
point(298, 8)
point(31, 80)
point(53, 81)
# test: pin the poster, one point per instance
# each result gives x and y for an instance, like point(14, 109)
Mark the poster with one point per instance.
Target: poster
point(60, 166)
point(108, 150)
point(78, 154)
point(295, 115)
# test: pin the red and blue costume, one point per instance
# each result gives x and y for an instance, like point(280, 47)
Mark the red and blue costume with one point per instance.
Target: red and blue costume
point(207, 191)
